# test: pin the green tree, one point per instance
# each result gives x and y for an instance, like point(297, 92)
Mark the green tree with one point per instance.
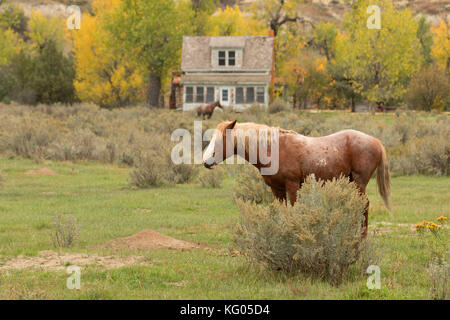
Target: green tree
point(10, 45)
point(201, 14)
point(7, 83)
point(52, 75)
point(44, 29)
point(425, 39)
point(13, 17)
point(151, 31)
point(277, 13)
point(379, 62)
point(19, 71)
point(324, 38)
point(233, 22)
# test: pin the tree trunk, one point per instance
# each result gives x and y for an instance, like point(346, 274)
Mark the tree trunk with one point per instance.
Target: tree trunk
point(353, 104)
point(153, 90)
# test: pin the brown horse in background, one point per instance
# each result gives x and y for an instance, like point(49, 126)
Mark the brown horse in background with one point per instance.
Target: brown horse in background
point(349, 153)
point(208, 109)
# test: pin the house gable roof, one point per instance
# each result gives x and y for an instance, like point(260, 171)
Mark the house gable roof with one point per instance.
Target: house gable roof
point(257, 51)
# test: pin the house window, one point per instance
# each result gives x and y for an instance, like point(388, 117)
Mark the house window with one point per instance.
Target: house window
point(210, 94)
point(189, 95)
point(222, 58)
point(239, 95)
point(231, 58)
point(250, 95)
point(260, 95)
point(200, 97)
point(227, 58)
point(225, 95)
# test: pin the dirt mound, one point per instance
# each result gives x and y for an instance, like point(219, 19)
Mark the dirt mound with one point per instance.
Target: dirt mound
point(149, 239)
point(44, 171)
point(51, 260)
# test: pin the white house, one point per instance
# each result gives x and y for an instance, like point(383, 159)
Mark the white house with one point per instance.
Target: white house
point(237, 71)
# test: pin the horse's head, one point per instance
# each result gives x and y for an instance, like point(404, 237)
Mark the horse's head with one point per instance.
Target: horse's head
point(219, 105)
point(216, 152)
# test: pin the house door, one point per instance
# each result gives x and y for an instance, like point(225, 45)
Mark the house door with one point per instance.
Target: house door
point(225, 96)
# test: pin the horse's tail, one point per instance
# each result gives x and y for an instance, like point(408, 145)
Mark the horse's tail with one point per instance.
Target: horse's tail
point(384, 180)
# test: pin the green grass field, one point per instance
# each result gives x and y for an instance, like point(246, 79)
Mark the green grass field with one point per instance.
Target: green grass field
point(107, 208)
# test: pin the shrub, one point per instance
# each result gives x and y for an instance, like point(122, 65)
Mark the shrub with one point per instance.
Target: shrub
point(148, 171)
point(183, 173)
point(29, 140)
point(430, 156)
point(320, 235)
point(429, 89)
point(255, 108)
point(155, 168)
point(211, 178)
point(250, 186)
point(277, 106)
point(66, 231)
point(439, 272)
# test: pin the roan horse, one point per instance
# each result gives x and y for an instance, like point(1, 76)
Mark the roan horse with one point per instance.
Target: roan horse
point(208, 109)
point(349, 153)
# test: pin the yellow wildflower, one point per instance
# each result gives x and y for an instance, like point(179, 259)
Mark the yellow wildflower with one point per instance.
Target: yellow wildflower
point(442, 219)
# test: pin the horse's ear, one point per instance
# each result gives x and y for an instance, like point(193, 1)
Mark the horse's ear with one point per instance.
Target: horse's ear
point(231, 125)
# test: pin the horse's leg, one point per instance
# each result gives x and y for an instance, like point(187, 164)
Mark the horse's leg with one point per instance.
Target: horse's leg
point(361, 182)
point(279, 193)
point(292, 188)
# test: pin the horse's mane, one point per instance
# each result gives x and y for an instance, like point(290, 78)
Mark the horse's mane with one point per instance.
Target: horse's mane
point(287, 131)
point(251, 125)
point(241, 131)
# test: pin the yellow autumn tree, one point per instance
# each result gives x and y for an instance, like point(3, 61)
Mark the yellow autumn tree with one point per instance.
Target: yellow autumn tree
point(378, 62)
point(233, 22)
point(440, 50)
point(42, 29)
point(10, 45)
point(104, 74)
point(307, 79)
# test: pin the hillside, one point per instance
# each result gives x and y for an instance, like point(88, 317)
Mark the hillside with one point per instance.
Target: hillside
point(315, 10)
point(334, 10)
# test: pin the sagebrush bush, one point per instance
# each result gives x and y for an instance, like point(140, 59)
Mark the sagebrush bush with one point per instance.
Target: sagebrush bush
point(255, 108)
point(148, 171)
point(320, 235)
point(250, 186)
point(439, 271)
point(66, 231)
point(211, 178)
point(155, 168)
point(278, 105)
point(183, 173)
point(428, 156)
